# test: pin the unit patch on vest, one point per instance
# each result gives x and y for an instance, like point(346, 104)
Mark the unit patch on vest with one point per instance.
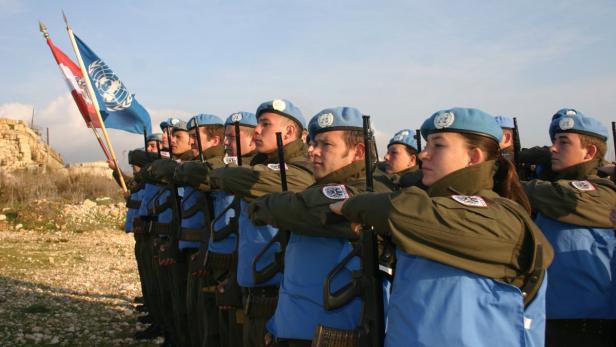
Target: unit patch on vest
point(276, 167)
point(470, 200)
point(229, 160)
point(338, 192)
point(583, 186)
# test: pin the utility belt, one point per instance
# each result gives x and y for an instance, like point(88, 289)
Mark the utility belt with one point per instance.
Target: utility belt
point(162, 228)
point(330, 337)
point(219, 261)
point(260, 302)
point(594, 327)
point(189, 234)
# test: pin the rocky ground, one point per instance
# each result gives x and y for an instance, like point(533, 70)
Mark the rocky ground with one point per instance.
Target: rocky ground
point(67, 276)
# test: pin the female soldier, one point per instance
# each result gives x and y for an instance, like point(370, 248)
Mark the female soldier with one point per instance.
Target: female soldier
point(471, 262)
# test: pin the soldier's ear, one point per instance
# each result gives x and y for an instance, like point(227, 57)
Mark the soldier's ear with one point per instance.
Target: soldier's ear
point(476, 156)
point(360, 151)
point(591, 152)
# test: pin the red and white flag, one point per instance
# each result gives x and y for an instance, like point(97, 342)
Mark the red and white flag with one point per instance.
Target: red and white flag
point(76, 84)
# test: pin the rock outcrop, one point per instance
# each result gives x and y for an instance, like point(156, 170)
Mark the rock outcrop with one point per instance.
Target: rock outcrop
point(22, 148)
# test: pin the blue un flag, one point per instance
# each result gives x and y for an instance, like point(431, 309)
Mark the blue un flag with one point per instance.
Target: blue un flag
point(119, 108)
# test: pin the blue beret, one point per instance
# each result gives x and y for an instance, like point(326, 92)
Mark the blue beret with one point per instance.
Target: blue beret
point(335, 118)
point(155, 137)
point(284, 108)
point(168, 122)
point(247, 119)
point(505, 122)
point(568, 120)
point(203, 119)
point(462, 120)
point(404, 137)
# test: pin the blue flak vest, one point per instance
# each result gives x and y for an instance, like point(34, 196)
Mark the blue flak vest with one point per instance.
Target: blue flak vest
point(223, 212)
point(582, 284)
point(433, 304)
point(166, 216)
point(252, 239)
point(308, 260)
point(147, 199)
point(132, 212)
point(190, 201)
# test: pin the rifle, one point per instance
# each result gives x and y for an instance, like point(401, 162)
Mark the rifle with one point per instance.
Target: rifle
point(418, 139)
point(198, 137)
point(367, 282)
point(614, 137)
point(517, 146)
point(281, 237)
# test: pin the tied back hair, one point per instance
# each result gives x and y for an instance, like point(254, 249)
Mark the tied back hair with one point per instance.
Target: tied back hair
point(506, 180)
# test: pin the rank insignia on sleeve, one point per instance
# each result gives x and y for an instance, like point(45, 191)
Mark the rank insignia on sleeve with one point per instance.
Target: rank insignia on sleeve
point(583, 186)
point(338, 192)
point(229, 160)
point(276, 167)
point(470, 200)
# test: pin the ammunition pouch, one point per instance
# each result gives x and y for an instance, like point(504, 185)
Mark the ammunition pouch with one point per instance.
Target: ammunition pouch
point(330, 337)
point(167, 243)
point(260, 302)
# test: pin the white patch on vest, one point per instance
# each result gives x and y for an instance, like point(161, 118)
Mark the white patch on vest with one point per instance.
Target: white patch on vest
point(470, 200)
point(444, 120)
point(528, 323)
point(236, 117)
point(566, 123)
point(326, 120)
point(338, 192)
point(276, 167)
point(279, 105)
point(229, 160)
point(583, 186)
point(386, 270)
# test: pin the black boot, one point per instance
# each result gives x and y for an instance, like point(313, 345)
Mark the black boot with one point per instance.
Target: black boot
point(152, 332)
point(147, 319)
point(138, 300)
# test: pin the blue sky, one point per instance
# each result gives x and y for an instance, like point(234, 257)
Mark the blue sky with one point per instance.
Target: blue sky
point(397, 60)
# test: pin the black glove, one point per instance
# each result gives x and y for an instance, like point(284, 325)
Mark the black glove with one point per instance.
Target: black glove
point(535, 156)
point(162, 170)
point(191, 173)
point(258, 215)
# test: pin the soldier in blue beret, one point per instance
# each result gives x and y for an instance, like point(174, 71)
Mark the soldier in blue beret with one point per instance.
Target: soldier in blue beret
point(573, 210)
point(248, 182)
point(247, 122)
point(458, 237)
point(506, 123)
point(401, 155)
point(314, 250)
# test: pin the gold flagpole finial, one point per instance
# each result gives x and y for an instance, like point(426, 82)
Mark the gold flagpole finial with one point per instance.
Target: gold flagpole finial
point(43, 29)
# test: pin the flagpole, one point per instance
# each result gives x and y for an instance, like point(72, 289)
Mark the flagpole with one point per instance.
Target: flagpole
point(86, 76)
point(43, 29)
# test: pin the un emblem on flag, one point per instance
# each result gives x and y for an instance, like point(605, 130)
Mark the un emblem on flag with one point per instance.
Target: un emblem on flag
point(109, 86)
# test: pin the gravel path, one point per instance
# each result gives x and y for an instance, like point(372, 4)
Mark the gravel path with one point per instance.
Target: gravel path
point(68, 289)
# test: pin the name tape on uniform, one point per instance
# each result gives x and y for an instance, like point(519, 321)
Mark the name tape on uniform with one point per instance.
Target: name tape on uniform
point(229, 160)
point(337, 192)
point(583, 186)
point(276, 167)
point(470, 200)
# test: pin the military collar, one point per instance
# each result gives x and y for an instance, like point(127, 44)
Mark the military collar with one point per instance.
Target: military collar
point(186, 156)
point(290, 150)
point(467, 181)
point(579, 171)
point(354, 170)
point(215, 151)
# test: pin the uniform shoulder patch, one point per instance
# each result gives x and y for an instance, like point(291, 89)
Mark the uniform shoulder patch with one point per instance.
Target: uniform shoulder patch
point(276, 167)
point(337, 192)
point(583, 186)
point(470, 200)
point(229, 160)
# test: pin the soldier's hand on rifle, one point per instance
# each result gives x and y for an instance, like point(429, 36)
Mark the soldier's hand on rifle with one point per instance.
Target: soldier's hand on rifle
point(163, 170)
point(258, 215)
point(191, 173)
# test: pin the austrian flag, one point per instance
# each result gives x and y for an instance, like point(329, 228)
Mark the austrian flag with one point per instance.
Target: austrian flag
point(76, 84)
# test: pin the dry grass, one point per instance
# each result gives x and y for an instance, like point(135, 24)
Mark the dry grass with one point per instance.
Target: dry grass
point(23, 187)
